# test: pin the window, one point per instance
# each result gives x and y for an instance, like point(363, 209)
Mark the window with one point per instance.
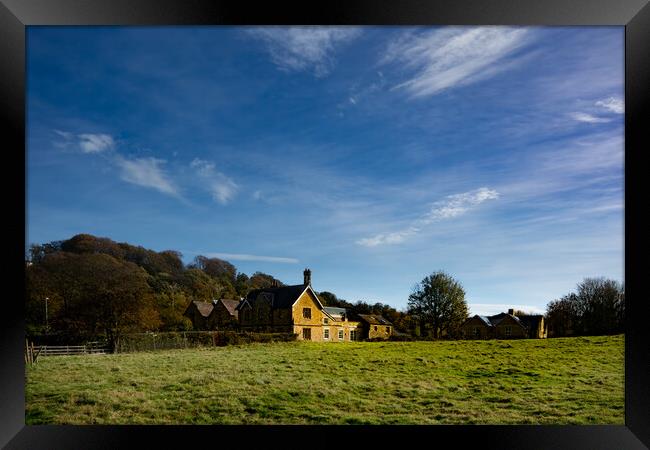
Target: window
point(477, 332)
point(306, 334)
point(353, 335)
point(326, 320)
point(508, 331)
point(388, 330)
point(326, 333)
point(375, 327)
point(340, 335)
point(306, 313)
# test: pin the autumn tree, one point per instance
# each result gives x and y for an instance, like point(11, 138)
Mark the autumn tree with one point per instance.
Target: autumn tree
point(439, 300)
point(92, 294)
point(260, 280)
point(200, 286)
point(215, 267)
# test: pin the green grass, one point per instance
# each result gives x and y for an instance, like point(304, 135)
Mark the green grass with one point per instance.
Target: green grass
point(551, 381)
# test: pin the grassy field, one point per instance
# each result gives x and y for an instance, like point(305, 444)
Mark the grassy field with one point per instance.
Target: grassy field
point(551, 381)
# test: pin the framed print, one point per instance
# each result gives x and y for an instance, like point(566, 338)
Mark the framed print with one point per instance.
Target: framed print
point(413, 188)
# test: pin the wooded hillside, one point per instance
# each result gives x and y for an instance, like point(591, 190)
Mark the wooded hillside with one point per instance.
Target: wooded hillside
point(98, 288)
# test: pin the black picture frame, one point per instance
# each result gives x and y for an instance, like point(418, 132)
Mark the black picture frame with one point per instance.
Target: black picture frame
point(634, 15)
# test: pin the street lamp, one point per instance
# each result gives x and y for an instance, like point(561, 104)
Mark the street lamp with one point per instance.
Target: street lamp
point(47, 324)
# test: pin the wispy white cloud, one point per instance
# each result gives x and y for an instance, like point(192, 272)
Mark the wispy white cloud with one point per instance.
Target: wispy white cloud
point(304, 48)
point(222, 188)
point(87, 142)
point(453, 206)
point(453, 56)
point(588, 118)
point(246, 257)
point(147, 172)
point(64, 134)
point(357, 93)
point(612, 104)
point(95, 143)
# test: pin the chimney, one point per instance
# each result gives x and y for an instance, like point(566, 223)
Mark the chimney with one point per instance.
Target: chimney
point(307, 274)
point(275, 283)
point(511, 311)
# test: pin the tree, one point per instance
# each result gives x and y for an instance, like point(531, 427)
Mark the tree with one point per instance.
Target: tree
point(328, 298)
point(562, 316)
point(601, 303)
point(91, 294)
point(439, 301)
point(215, 267)
point(242, 285)
point(597, 307)
point(200, 286)
point(261, 280)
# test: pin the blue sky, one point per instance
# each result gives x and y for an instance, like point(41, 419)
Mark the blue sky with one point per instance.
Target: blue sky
point(372, 155)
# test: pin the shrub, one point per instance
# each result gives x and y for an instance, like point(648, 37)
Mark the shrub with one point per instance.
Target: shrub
point(193, 339)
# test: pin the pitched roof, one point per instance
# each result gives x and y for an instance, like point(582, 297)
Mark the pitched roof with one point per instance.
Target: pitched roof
point(498, 318)
point(374, 319)
point(334, 311)
point(281, 297)
point(204, 308)
point(531, 321)
point(230, 305)
point(485, 319)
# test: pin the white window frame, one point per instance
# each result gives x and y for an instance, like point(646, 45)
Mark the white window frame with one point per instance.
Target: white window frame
point(326, 321)
point(341, 335)
point(326, 333)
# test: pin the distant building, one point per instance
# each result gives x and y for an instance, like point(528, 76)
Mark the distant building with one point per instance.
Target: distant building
point(288, 309)
point(217, 315)
point(198, 312)
point(224, 314)
point(504, 326)
point(297, 309)
point(375, 326)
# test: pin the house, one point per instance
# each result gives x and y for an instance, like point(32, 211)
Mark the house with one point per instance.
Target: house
point(224, 314)
point(297, 309)
point(504, 326)
point(214, 315)
point(375, 326)
point(198, 312)
point(537, 327)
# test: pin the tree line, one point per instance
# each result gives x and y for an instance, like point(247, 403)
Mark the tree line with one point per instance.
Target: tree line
point(89, 287)
point(597, 307)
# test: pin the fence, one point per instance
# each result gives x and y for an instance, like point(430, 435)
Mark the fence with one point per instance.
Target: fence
point(193, 339)
point(33, 352)
point(87, 349)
